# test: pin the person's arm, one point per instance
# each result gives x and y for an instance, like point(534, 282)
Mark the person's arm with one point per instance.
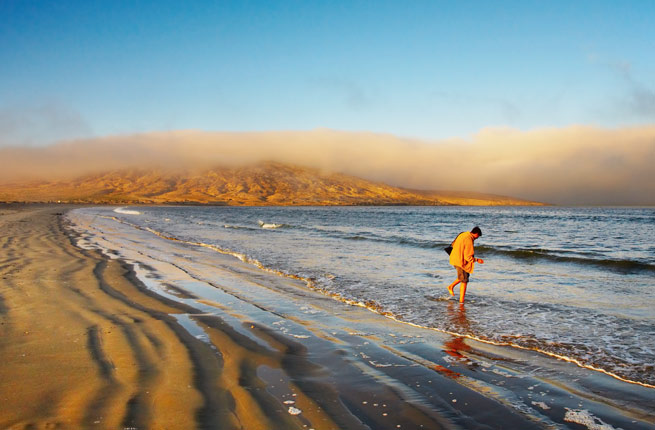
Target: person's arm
point(470, 255)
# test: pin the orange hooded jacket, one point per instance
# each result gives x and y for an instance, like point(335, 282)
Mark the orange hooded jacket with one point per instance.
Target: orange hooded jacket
point(463, 251)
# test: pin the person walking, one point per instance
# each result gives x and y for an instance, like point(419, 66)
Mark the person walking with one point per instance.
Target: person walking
point(462, 257)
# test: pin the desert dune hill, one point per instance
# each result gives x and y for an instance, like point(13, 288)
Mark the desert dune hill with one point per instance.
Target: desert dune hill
point(256, 185)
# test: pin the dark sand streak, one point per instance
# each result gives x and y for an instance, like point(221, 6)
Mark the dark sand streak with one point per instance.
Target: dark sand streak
point(206, 363)
point(29, 252)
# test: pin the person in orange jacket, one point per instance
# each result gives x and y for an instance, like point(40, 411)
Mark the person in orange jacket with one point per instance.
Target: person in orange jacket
point(463, 258)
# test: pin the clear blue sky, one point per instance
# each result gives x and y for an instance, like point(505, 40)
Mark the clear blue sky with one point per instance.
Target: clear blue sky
point(427, 69)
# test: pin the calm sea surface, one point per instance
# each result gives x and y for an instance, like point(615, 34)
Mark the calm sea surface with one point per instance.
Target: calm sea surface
point(578, 283)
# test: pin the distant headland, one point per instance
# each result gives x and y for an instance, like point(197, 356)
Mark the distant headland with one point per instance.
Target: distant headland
point(260, 184)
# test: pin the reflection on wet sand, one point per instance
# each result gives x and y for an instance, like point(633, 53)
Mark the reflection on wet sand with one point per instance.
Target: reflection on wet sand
point(456, 313)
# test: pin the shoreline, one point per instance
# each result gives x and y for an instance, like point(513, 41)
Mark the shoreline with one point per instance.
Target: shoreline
point(375, 307)
point(106, 346)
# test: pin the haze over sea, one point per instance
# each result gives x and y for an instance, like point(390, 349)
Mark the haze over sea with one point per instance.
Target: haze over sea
point(575, 283)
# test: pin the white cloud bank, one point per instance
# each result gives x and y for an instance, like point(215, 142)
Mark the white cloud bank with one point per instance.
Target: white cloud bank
point(575, 165)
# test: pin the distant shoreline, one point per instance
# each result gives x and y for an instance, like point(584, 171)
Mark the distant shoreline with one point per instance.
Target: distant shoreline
point(183, 204)
point(200, 204)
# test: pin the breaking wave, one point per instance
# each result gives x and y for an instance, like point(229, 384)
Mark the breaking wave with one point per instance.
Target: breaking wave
point(124, 211)
point(555, 256)
point(270, 226)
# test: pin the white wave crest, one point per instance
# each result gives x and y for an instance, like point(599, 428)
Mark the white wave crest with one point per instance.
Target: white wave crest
point(263, 224)
point(125, 211)
point(236, 227)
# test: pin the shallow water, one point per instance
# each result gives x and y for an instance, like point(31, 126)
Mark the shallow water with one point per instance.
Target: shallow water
point(577, 283)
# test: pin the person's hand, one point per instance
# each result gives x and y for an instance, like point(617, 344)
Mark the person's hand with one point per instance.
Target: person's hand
point(479, 260)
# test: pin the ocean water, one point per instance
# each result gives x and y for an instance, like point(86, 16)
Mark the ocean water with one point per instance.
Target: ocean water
point(574, 283)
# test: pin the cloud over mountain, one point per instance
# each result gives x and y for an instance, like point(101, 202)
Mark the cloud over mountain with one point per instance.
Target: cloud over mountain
point(575, 165)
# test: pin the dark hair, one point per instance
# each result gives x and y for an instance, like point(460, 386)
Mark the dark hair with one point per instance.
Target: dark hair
point(476, 230)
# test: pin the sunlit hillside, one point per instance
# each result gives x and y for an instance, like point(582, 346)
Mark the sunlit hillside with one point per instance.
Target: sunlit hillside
point(257, 185)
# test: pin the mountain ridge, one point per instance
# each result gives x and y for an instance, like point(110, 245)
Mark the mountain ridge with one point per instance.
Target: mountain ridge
point(262, 184)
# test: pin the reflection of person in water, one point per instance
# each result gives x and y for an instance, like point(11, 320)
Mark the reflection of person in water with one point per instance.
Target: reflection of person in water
point(457, 317)
point(457, 314)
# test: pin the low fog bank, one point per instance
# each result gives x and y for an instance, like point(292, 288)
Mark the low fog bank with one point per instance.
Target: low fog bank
point(570, 166)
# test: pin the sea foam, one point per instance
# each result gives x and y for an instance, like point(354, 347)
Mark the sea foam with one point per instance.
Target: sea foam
point(125, 211)
point(585, 418)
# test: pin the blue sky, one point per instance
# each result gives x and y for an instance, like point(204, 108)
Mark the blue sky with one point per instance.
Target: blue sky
point(425, 69)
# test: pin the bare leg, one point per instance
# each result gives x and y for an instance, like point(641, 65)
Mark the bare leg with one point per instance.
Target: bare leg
point(462, 291)
point(451, 286)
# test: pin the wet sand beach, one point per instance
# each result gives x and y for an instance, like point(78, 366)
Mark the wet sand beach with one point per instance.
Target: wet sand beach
point(91, 341)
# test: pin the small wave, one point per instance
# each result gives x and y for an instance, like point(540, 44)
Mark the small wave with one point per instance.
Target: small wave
point(267, 225)
point(238, 227)
point(125, 211)
point(556, 256)
point(399, 240)
point(560, 257)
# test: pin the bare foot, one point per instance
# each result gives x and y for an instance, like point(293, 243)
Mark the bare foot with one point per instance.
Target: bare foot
point(450, 291)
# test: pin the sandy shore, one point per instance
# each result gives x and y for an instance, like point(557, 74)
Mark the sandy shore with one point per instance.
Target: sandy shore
point(85, 343)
